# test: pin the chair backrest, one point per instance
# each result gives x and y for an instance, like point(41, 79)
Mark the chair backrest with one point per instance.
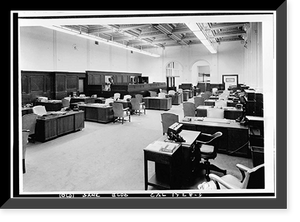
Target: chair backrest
point(167, 119)
point(213, 140)
point(118, 109)
point(139, 97)
point(109, 101)
point(215, 113)
point(172, 92)
point(199, 101)
point(220, 103)
point(39, 110)
point(126, 97)
point(42, 98)
point(214, 91)
point(153, 94)
point(135, 103)
point(162, 95)
point(206, 95)
point(65, 102)
point(28, 122)
point(189, 109)
point(117, 96)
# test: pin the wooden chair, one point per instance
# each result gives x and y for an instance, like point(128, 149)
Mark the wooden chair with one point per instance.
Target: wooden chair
point(252, 178)
point(189, 109)
point(167, 119)
point(208, 146)
point(120, 113)
point(137, 106)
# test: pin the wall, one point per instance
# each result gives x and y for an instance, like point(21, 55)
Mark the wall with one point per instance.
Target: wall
point(45, 49)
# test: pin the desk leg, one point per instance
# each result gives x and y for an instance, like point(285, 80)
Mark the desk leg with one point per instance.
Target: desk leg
point(146, 171)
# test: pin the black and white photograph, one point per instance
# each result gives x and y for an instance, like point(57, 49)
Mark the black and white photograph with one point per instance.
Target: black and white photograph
point(147, 105)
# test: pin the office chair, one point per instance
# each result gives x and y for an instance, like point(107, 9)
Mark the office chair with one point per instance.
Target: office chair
point(66, 102)
point(28, 123)
point(162, 95)
point(199, 101)
point(171, 92)
point(39, 110)
point(120, 113)
point(117, 96)
point(139, 97)
point(109, 101)
point(126, 97)
point(215, 113)
point(252, 178)
point(153, 94)
point(137, 106)
point(208, 147)
point(167, 119)
point(25, 134)
point(189, 109)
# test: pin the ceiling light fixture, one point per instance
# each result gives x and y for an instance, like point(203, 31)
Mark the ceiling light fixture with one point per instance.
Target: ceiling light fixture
point(98, 39)
point(194, 27)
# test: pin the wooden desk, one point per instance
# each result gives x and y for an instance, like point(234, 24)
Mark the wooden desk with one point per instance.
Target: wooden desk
point(52, 126)
point(82, 99)
point(211, 102)
point(172, 170)
point(176, 98)
point(229, 112)
point(26, 110)
point(51, 105)
point(235, 136)
point(97, 112)
point(157, 103)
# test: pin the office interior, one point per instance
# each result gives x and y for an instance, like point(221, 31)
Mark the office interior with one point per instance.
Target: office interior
point(91, 62)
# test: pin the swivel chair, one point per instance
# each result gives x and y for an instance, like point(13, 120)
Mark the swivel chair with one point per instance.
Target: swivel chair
point(120, 113)
point(25, 134)
point(208, 146)
point(189, 109)
point(28, 123)
point(167, 119)
point(137, 106)
point(252, 178)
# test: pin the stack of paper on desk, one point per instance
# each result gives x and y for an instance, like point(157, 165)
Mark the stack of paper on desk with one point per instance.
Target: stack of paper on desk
point(160, 146)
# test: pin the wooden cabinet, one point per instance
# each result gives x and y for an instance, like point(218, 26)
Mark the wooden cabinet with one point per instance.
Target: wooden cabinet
point(65, 83)
point(52, 126)
point(35, 84)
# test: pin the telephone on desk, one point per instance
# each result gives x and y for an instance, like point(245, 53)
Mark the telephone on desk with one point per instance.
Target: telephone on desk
point(173, 132)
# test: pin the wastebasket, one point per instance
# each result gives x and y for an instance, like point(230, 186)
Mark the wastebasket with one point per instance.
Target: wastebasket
point(257, 155)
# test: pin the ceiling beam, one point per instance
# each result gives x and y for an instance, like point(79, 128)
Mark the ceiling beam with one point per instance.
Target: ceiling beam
point(226, 25)
point(225, 34)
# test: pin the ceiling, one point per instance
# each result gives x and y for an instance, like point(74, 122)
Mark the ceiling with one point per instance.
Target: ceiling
point(144, 36)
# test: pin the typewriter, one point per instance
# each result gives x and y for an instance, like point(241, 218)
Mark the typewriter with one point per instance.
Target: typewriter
point(173, 132)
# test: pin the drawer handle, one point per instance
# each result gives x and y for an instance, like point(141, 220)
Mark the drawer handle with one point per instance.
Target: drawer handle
point(193, 159)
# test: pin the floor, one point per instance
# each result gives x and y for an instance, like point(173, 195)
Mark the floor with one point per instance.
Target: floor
point(101, 157)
